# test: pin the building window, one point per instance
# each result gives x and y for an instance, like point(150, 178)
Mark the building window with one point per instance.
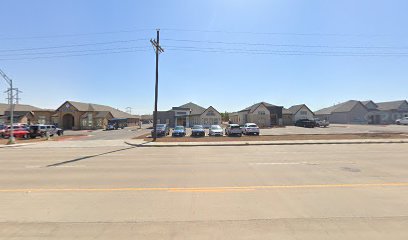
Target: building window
point(41, 120)
point(303, 112)
point(210, 113)
point(90, 118)
point(261, 112)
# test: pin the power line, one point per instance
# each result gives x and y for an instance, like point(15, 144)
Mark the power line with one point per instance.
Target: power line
point(275, 33)
point(73, 51)
point(74, 45)
point(72, 55)
point(280, 51)
point(293, 53)
point(76, 34)
point(283, 45)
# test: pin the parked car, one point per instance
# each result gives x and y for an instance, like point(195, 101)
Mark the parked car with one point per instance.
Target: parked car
point(321, 123)
point(179, 131)
point(215, 130)
point(403, 121)
point(2, 130)
point(52, 130)
point(111, 127)
point(162, 130)
point(197, 130)
point(18, 132)
point(37, 130)
point(250, 129)
point(307, 123)
point(233, 129)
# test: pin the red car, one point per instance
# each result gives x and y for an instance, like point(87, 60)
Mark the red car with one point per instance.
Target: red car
point(18, 132)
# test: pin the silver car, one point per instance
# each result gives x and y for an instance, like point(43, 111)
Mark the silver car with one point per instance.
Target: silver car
point(215, 130)
point(233, 129)
point(250, 128)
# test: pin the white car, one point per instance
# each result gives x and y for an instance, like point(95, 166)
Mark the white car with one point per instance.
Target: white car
point(250, 128)
point(215, 130)
point(403, 121)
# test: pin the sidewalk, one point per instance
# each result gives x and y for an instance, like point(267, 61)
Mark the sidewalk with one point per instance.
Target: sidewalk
point(141, 143)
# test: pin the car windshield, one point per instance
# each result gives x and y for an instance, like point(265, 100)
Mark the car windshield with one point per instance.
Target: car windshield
point(179, 128)
point(160, 126)
point(235, 126)
point(197, 127)
point(216, 127)
point(252, 125)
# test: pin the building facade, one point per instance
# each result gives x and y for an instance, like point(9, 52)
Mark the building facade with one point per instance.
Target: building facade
point(70, 115)
point(350, 112)
point(263, 114)
point(188, 115)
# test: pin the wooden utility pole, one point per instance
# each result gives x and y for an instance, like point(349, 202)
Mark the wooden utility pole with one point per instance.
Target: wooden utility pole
point(158, 50)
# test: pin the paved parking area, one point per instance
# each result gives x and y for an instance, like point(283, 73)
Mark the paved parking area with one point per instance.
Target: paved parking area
point(337, 129)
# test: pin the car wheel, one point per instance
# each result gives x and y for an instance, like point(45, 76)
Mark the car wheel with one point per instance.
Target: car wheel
point(398, 123)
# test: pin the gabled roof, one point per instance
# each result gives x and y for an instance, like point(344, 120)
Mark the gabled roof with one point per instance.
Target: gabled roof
point(252, 108)
point(393, 105)
point(102, 114)
point(286, 111)
point(341, 107)
point(366, 103)
point(194, 108)
point(17, 107)
point(87, 107)
point(295, 108)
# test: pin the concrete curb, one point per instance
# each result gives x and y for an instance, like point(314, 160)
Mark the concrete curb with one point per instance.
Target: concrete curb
point(17, 145)
point(265, 143)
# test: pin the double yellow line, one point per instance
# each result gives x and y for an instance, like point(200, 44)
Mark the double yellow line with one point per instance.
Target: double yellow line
point(207, 189)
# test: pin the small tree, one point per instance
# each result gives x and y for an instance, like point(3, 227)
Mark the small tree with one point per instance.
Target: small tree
point(225, 116)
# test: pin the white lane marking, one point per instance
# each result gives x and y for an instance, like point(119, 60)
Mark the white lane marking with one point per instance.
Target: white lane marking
point(32, 166)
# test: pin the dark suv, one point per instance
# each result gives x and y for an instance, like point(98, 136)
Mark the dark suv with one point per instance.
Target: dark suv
point(162, 130)
point(307, 123)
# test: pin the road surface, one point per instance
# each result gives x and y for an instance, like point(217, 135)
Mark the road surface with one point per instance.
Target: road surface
point(94, 191)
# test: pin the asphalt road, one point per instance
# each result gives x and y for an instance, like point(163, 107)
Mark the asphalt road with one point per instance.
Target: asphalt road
point(86, 190)
point(120, 134)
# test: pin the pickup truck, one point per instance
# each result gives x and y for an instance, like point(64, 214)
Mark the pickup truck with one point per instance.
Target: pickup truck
point(321, 123)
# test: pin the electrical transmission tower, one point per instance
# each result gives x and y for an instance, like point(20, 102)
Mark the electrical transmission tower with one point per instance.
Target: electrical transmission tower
point(129, 110)
point(12, 95)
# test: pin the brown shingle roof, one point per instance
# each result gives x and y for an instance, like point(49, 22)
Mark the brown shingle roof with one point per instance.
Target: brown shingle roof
point(17, 107)
point(341, 107)
point(194, 108)
point(393, 105)
point(100, 108)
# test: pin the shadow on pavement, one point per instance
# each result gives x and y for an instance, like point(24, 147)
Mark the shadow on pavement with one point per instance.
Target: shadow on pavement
point(87, 157)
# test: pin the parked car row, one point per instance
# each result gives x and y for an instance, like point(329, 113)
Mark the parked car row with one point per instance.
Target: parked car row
point(214, 130)
point(30, 131)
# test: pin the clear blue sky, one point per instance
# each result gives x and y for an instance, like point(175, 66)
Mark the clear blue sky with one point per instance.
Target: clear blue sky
point(293, 52)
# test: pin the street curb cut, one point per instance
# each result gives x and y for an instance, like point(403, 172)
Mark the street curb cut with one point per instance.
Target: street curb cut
point(263, 144)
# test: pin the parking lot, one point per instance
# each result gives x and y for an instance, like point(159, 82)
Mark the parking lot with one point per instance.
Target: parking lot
point(334, 131)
